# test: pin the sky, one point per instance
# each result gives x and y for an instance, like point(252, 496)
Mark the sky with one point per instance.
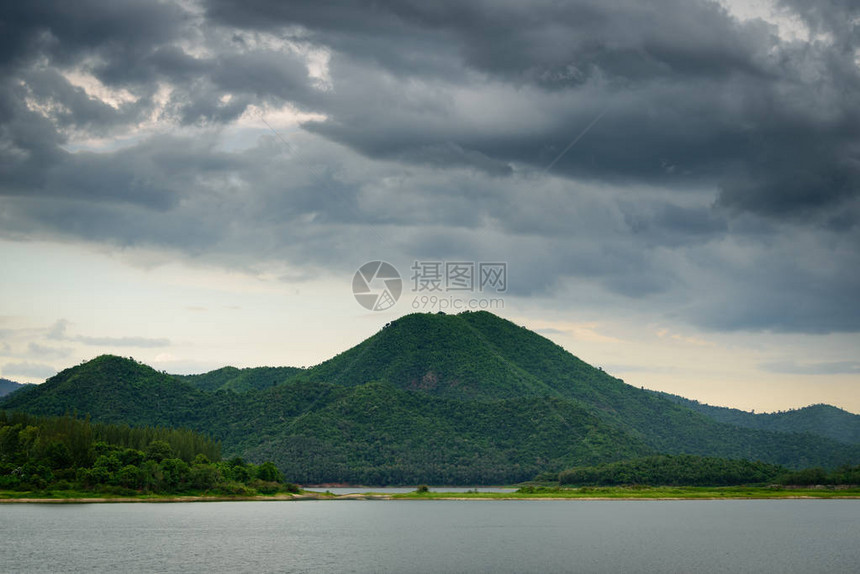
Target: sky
point(670, 186)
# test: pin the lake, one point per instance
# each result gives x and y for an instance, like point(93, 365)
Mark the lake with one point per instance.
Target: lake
point(433, 536)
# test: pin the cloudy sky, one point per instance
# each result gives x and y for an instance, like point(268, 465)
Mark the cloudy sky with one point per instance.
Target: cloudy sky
point(673, 184)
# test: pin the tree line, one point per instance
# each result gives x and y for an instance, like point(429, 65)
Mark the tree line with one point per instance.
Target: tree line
point(69, 453)
point(691, 470)
point(844, 475)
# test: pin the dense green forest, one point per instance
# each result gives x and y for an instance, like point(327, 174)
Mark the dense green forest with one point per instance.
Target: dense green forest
point(823, 420)
point(378, 434)
point(679, 470)
point(691, 470)
point(446, 399)
point(67, 453)
point(240, 380)
point(814, 476)
point(479, 356)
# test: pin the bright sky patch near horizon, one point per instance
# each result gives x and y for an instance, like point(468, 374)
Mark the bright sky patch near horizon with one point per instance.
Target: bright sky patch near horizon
point(194, 183)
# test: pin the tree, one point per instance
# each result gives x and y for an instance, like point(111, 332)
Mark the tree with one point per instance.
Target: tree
point(159, 450)
point(204, 476)
point(175, 472)
point(130, 477)
point(202, 459)
point(58, 455)
point(132, 457)
point(269, 472)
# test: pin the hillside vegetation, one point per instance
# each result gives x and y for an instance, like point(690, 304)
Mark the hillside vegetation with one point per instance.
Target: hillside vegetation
point(66, 453)
point(822, 420)
point(240, 380)
point(680, 470)
point(447, 399)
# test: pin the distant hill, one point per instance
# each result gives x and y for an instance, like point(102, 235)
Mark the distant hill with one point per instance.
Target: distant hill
point(822, 420)
point(114, 390)
point(7, 387)
point(469, 398)
point(241, 380)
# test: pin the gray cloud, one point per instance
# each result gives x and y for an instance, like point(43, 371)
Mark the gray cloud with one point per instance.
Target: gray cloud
point(720, 145)
point(58, 332)
point(142, 342)
point(47, 352)
point(28, 369)
point(837, 17)
point(691, 92)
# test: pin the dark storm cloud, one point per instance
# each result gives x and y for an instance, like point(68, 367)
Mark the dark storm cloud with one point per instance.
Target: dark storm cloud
point(836, 17)
point(712, 142)
point(154, 174)
point(547, 42)
point(667, 224)
point(793, 280)
point(65, 31)
point(691, 93)
point(135, 47)
point(75, 107)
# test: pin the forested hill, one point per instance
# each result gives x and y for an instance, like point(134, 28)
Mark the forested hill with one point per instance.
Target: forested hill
point(116, 390)
point(823, 420)
point(480, 356)
point(7, 387)
point(468, 356)
point(469, 398)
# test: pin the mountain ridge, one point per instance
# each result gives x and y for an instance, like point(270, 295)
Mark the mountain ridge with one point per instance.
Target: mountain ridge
point(820, 419)
point(469, 398)
point(240, 380)
point(8, 386)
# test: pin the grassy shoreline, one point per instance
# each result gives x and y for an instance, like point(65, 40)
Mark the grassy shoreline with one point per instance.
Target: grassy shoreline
point(648, 493)
point(588, 493)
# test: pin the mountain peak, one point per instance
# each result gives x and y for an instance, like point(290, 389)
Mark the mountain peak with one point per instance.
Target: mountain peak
point(446, 355)
point(110, 385)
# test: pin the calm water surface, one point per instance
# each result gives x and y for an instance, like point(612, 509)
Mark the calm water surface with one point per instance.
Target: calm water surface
point(434, 536)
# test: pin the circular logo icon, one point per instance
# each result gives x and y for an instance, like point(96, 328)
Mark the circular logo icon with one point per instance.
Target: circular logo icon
point(377, 285)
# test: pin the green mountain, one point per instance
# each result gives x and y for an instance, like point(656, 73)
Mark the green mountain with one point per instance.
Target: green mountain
point(322, 432)
point(241, 380)
point(115, 390)
point(822, 420)
point(479, 356)
point(8, 387)
point(469, 398)
point(378, 434)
